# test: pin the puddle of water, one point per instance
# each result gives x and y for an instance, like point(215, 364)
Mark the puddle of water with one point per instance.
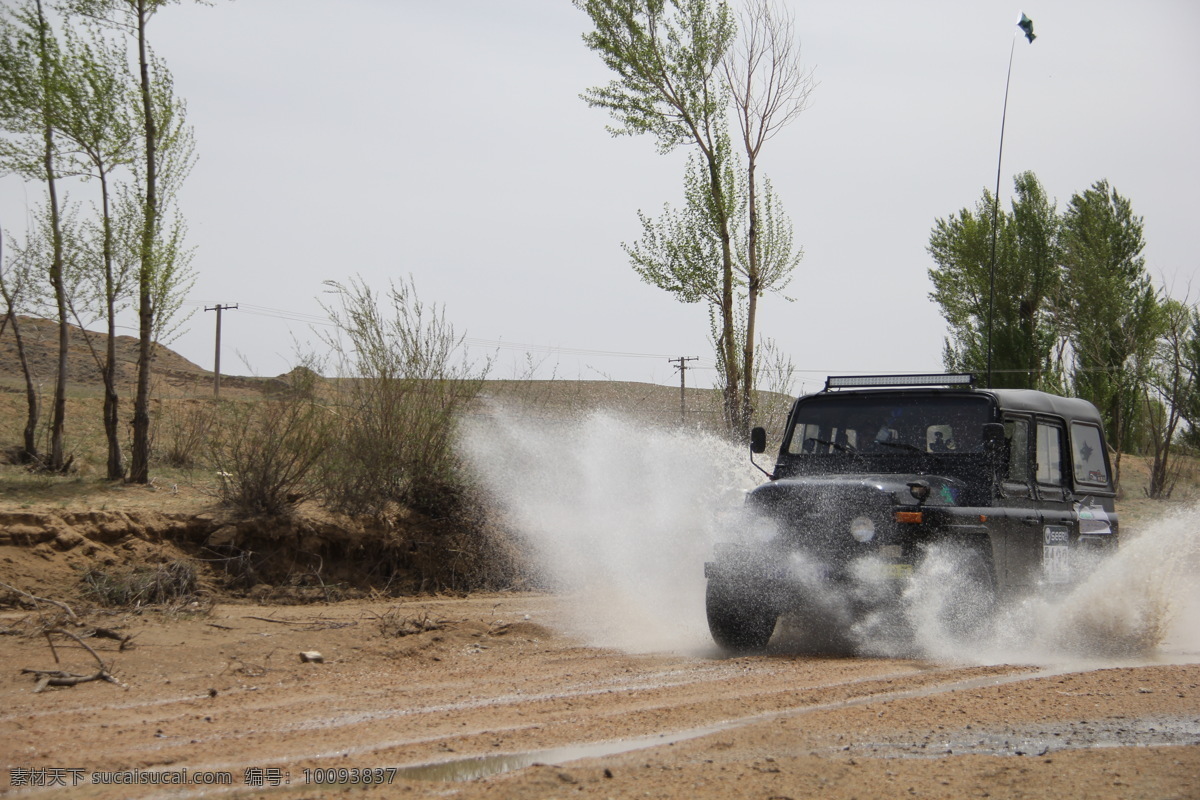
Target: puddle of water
point(1040, 740)
point(660, 679)
point(466, 769)
point(1145, 732)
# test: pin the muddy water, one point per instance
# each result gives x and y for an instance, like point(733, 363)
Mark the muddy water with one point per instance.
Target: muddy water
point(1037, 740)
point(1041, 739)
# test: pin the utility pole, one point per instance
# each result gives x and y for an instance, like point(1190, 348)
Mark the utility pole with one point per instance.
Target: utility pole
point(217, 358)
point(682, 367)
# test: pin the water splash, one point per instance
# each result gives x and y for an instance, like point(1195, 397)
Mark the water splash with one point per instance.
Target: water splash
point(621, 518)
point(1137, 602)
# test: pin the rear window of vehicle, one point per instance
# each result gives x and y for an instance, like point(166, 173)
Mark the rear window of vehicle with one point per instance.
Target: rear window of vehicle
point(1087, 452)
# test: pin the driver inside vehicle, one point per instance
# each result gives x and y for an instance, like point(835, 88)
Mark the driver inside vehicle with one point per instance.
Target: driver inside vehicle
point(875, 439)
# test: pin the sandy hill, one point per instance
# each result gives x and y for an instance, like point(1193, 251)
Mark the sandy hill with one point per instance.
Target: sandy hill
point(175, 376)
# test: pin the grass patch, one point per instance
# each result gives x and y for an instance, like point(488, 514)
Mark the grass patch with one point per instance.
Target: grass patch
point(173, 583)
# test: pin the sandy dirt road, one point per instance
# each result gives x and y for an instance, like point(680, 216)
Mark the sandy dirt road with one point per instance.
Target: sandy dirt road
point(480, 697)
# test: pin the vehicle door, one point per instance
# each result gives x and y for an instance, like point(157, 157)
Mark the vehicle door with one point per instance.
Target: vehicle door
point(1016, 520)
point(1046, 556)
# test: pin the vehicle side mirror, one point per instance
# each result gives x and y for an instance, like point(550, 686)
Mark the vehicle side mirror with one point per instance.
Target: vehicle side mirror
point(758, 440)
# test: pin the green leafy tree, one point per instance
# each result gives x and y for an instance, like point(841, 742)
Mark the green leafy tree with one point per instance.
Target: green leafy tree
point(100, 129)
point(1171, 382)
point(31, 77)
point(683, 75)
point(667, 55)
point(1024, 327)
point(165, 144)
point(1111, 309)
point(18, 287)
point(1190, 401)
point(677, 251)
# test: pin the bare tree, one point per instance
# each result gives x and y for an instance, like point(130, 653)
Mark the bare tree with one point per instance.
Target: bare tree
point(407, 381)
point(769, 89)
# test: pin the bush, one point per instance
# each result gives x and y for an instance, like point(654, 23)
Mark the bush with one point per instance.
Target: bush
point(399, 399)
point(266, 453)
point(183, 428)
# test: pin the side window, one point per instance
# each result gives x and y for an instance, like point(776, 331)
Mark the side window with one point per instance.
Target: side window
point(1049, 454)
point(1016, 432)
point(1087, 451)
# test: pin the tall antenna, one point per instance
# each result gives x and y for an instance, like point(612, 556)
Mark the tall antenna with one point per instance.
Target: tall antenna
point(1026, 25)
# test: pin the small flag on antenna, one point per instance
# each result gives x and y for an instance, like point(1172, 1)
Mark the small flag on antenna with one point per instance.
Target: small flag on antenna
point(1026, 24)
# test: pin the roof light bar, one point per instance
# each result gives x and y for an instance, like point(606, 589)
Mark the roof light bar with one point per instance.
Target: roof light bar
point(873, 381)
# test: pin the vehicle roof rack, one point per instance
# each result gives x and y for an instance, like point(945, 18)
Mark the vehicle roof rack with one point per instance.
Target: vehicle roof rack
point(957, 379)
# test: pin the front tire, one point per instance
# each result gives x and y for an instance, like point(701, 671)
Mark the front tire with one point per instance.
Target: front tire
point(961, 583)
point(738, 619)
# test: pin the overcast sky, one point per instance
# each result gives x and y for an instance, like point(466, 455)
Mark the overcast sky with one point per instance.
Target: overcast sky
point(447, 140)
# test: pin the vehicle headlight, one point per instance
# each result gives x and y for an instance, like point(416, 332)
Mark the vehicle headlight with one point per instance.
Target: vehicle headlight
point(862, 529)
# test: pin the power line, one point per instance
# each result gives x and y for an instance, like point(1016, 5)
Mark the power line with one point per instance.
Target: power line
point(279, 313)
point(705, 364)
point(313, 319)
point(320, 319)
point(571, 351)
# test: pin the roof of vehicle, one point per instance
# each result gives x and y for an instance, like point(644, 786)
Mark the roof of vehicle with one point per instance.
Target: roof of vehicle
point(1044, 403)
point(1023, 400)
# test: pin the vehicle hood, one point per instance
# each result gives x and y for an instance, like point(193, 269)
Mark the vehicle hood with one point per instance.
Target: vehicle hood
point(842, 491)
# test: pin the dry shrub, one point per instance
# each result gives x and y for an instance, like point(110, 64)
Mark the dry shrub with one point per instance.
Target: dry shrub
point(395, 623)
point(182, 430)
point(266, 453)
point(404, 384)
point(171, 583)
point(774, 379)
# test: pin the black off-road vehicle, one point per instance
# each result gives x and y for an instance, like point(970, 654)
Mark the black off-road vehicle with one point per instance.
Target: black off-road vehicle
point(876, 473)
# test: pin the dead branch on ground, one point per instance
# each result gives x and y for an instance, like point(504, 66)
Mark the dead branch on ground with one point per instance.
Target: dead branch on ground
point(307, 625)
point(55, 677)
point(126, 639)
point(35, 599)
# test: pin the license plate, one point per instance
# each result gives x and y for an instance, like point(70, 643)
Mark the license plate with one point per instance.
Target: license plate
point(1056, 565)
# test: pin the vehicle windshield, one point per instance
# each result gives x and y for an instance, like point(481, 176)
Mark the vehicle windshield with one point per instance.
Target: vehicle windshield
point(888, 423)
